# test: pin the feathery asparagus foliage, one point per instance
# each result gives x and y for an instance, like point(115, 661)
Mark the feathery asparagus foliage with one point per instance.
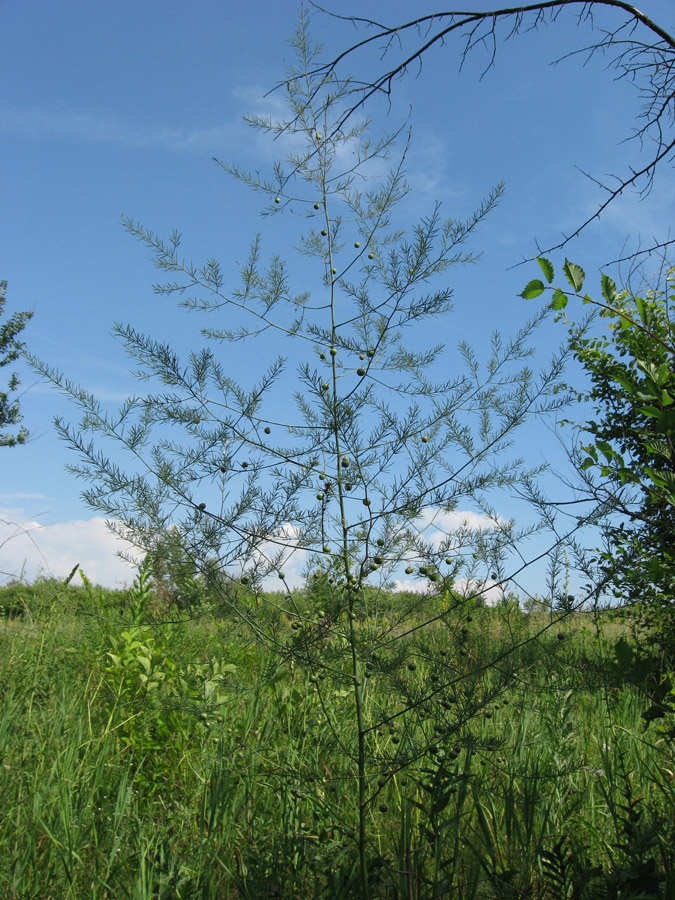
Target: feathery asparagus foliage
point(350, 476)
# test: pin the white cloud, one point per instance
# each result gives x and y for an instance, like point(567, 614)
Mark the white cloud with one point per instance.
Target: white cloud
point(28, 548)
point(107, 128)
point(489, 591)
point(284, 541)
point(435, 525)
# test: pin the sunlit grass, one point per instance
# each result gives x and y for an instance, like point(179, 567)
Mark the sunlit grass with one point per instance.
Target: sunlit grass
point(553, 788)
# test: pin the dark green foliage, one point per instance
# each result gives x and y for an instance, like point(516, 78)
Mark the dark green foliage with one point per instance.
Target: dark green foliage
point(10, 347)
point(627, 452)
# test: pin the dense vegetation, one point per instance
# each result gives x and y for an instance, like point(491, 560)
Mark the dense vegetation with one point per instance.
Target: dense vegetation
point(201, 737)
point(178, 760)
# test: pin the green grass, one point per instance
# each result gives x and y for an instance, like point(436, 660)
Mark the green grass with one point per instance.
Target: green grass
point(213, 770)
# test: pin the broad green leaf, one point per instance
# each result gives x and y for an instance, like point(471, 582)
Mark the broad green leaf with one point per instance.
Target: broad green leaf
point(658, 448)
point(229, 668)
point(625, 382)
point(145, 662)
point(650, 411)
point(640, 306)
point(587, 463)
point(608, 288)
point(559, 300)
point(533, 289)
point(666, 399)
point(547, 268)
point(574, 274)
point(662, 478)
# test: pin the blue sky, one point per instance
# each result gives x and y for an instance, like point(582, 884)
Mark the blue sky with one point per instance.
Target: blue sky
point(120, 108)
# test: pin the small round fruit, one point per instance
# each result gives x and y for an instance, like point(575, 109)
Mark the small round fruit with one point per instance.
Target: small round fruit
point(345, 461)
point(425, 439)
point(317, 206)
point(384, 808)
point(379, 560)
point(319, 496)
point(323, 232)
point(448, 561)
point(244, 465)
point(560, 636)
point(411, 666)
point(202, 506)
point(322, 355)
point(371, 354)
point(322, 476)
point(409, 570)
point(433, 577)
point(281, 575)
point(362, 355)
point(324, 386)
point(244, 579)
point(348, 487)
point(333, 351)
point(357, 243)
point(277, 199)
point(360, 372)
point(334, 271)
point(423, 570)
point(366, 501)
point(326, 549)
point(267, 429)
point(380, 542)
point(371, 256)
point(223, 468)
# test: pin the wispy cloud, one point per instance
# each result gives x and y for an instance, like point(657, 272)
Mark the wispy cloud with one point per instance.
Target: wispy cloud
point(96, 126)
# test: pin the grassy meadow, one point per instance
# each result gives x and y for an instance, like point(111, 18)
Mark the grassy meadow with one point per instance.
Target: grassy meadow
point(148, 753)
